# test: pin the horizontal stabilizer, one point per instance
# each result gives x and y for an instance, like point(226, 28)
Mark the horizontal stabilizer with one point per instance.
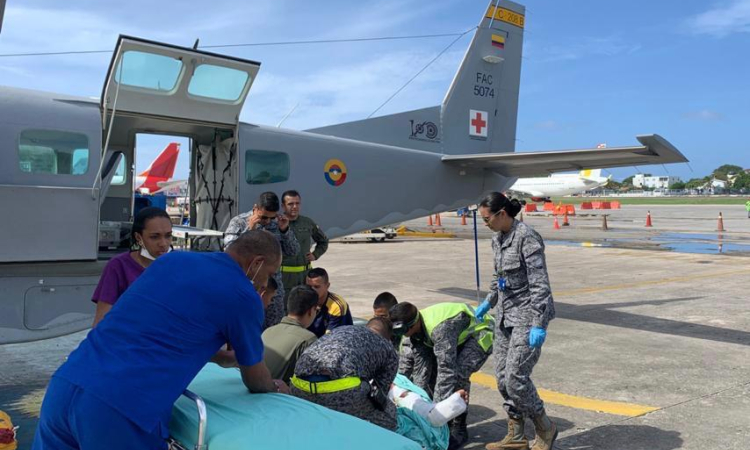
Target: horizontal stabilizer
point(655, 150)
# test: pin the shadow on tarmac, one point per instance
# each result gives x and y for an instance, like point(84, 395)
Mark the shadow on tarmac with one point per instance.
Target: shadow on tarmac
point(604, 315)
point(493, 431)
point(622, 437)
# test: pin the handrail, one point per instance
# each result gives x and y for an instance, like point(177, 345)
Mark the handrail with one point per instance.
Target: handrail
point(202, 419)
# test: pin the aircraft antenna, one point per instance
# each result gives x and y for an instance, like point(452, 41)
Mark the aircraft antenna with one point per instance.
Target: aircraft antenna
point(278, 125)
point(422, 70)
point(195, 46)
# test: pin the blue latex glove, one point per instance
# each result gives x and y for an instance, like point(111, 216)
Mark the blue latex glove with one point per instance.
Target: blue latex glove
point(536, 337)
point(482, 309)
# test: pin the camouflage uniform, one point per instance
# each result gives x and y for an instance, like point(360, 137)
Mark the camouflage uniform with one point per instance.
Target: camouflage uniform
point(289, 246)
point(441, 365)
point(306, 232)
point(526, 302)
point(405, 357)
point(352, 351)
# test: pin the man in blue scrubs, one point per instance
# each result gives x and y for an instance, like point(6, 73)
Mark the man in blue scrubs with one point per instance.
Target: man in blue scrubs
point(117, 388)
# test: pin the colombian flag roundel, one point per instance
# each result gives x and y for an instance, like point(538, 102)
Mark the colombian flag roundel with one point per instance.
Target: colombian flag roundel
point(335, 172)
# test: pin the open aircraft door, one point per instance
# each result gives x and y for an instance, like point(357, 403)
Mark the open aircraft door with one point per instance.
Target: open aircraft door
point(175, 83)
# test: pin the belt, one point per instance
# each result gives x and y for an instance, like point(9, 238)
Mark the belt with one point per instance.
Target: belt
point(295, 269)
point(326, 387)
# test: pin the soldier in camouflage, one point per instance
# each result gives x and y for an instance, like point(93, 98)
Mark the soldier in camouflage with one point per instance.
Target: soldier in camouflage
point(448, 344)
point(295, 267)
point(520, 289)
point(351, 370)
point(265, 216)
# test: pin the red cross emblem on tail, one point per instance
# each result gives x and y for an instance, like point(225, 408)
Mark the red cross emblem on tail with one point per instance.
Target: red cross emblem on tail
point(478, 123)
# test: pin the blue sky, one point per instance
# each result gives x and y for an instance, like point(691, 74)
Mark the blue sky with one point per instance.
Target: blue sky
point(592, 72)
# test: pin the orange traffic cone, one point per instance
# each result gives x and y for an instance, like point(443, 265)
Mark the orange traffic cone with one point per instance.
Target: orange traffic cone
point(556, 224)
point(429, 220)
point(720, 226)
point(648, 219)
point(565, 219)
point(463, 219)
point(604, 223)
point(437, 220)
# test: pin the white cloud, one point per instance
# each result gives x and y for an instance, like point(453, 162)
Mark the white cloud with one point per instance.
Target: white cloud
point(704, 115)
point(582, 48)
point(342, 93)
point(731, 17)
point(548, 125)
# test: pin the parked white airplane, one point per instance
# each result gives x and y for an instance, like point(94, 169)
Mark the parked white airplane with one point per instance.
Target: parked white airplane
point(558, 185)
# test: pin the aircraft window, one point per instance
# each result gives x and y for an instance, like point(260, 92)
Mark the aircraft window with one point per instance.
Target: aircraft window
point(263, 167)
point(148, 71)
point(218, 83)
point(53, 152)
point(119, 178)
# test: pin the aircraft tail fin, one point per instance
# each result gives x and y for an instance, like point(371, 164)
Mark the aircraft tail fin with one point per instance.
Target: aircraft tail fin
point(163, 166)
point(589, 174)
point(478, 114)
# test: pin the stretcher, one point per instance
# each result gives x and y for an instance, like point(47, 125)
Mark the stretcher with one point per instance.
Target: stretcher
point(217, 413)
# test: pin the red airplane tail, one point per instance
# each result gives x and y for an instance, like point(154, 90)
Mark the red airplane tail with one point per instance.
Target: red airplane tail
point(162, 168)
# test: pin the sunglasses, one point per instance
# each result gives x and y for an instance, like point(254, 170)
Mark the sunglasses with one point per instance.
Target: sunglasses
point(266, 218)
point(487, 219)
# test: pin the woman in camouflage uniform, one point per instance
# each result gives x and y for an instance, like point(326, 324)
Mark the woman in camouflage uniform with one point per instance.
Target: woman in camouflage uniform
point(520, 290)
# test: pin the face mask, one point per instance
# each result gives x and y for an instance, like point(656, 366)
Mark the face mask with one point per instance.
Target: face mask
point(146, 254)
point(256, 272)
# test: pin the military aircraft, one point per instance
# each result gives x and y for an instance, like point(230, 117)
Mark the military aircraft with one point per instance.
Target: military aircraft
point(353, 176)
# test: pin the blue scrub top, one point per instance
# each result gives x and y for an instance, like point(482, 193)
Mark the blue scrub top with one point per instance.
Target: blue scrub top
point(163, 330)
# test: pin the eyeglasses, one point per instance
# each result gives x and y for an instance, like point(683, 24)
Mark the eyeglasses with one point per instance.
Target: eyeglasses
point(487, 219)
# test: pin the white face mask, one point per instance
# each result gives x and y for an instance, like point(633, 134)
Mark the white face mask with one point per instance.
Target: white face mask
point(256, 272)
point(146, 254)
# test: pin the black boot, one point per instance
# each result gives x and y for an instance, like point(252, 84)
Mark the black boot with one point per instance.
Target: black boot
point(459, 434)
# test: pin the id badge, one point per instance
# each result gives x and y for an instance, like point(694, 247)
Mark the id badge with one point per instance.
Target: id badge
point(501, 283)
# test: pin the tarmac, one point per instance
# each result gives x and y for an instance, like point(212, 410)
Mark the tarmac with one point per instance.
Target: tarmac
point(650, 348)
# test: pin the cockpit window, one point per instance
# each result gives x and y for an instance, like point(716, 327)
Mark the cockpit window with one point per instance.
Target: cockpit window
point(148, 71)
point(218, 83)
point(53, 152)
point(264, 167)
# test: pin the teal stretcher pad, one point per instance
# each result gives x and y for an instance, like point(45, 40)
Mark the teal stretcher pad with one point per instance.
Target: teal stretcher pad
point(238, 420)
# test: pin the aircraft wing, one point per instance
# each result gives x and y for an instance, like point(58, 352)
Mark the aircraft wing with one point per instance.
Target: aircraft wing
point(654, 150)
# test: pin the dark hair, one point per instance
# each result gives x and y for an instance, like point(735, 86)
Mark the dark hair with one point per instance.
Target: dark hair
point(272, 284)
point(143, 216)
point(301, 300)
point(381, 326)
point(289, 193)
point(318, 272)
point(385, 300)
point(403, 312)
point(269, 201)
point(496, 201)
point(254, 243)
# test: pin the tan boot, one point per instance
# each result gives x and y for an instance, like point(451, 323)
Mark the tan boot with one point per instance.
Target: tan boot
point(515, 439)
point(546, 432)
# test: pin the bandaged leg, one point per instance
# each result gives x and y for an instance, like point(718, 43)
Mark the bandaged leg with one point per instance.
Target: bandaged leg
point(438, 414)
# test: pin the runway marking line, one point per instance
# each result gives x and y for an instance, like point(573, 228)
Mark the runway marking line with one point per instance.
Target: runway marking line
point(573, 401)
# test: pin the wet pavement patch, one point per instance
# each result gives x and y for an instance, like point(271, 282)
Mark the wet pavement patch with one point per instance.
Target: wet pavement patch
point(710, 244)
